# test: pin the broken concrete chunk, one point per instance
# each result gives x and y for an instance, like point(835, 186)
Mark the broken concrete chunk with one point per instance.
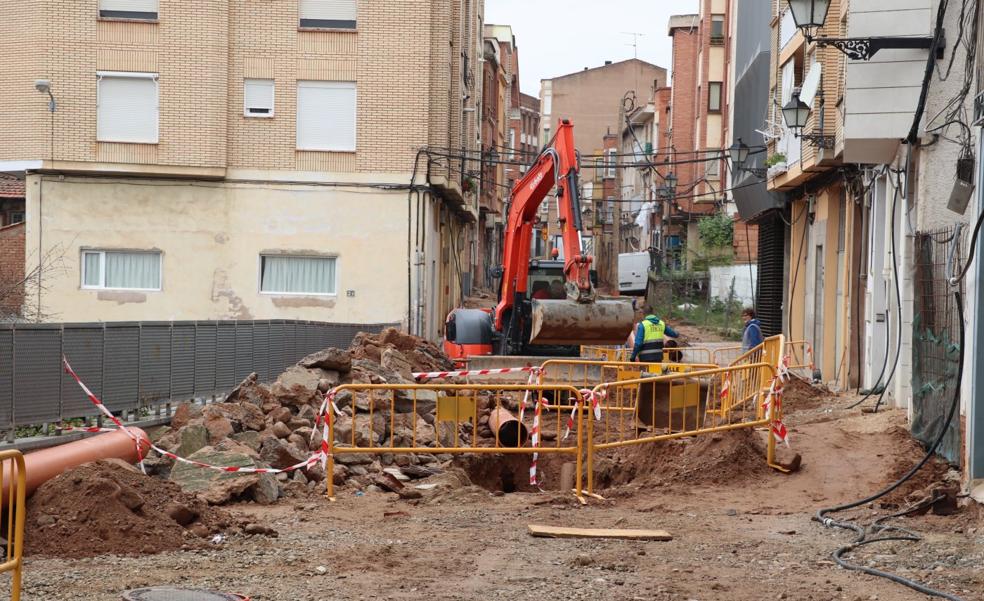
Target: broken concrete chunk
point(280, 454)
point(191, 439)
point(330, 359)
point(184, 413)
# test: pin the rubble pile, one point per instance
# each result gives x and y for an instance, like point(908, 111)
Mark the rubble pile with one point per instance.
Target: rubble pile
point(261, 425)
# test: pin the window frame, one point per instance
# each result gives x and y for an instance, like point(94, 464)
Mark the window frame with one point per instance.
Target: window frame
point(129, 15)
point(273, 98)
point(711, 85)
point(329, 24)
point(102, 269)
point(259, 274)
point(154, 77)
point(355, 116)
point(717, 39)
point(610, 163)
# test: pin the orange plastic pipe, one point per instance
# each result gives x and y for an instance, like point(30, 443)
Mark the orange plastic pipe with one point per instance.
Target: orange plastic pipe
point(45, 464)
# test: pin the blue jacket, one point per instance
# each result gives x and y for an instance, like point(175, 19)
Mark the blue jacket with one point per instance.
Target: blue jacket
point(641, 335)
point(752, 335)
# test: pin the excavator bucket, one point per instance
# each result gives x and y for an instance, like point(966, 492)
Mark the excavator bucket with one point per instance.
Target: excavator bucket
point(606, 321)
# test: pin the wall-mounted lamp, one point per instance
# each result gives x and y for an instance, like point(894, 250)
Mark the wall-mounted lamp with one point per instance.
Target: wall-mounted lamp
point(796, 113)
point(738, 153)
point(44, 86)
point(810, 15)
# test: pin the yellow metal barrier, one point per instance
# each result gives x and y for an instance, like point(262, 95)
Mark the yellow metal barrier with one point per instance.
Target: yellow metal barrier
point(606, 353)
point(800, 354)
point(680, 354)
point(12, 475)
point(386, 419)
point(664, 407)
point(584, 373)
point(726, 355)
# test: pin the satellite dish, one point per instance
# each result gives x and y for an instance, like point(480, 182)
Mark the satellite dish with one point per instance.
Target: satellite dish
point(811, 84)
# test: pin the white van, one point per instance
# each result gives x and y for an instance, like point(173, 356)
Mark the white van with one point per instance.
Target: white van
point(633, 272)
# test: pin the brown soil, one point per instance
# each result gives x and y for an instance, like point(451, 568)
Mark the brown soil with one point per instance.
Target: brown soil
point(107, 507)
point(798, 394)
point(722, 458)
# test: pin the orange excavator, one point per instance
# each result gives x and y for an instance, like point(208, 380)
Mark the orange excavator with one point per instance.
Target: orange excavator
point(538, 314)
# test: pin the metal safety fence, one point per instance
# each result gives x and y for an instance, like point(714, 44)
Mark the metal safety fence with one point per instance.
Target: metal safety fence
point(588, 374)
point(140, 366)
point(12, 514)
point(726, 355)
point(684, 404)
point(800, 355)
point(679, 354)
point(395, 419)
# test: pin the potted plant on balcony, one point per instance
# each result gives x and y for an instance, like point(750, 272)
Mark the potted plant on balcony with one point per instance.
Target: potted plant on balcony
point(467, 184)
point(776, 164)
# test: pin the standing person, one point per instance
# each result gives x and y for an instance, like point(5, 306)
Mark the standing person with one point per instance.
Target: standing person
point(751, 336)
point(650, 335)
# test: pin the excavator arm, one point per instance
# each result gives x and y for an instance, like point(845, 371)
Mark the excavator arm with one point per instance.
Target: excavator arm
point(581, 318)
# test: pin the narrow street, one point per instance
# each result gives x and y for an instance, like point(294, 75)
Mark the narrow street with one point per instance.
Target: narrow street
point(740, 531)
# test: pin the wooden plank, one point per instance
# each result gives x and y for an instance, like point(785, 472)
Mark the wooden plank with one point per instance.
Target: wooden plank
point(619, 533)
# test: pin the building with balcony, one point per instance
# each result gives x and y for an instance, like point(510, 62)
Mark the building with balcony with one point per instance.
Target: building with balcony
point(234, 160)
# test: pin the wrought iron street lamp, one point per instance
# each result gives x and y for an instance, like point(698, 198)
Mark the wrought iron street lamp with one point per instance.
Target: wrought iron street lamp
point(810, 15)
point(739, 154)
point(796, 113)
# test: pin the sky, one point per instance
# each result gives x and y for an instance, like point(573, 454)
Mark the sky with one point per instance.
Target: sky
point(557, 37)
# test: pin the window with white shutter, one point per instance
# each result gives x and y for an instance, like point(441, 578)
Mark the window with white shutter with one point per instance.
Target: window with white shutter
point(335, 14)
point(258, 97)
point(127, 107)
point(326, 115)
point(128, 9)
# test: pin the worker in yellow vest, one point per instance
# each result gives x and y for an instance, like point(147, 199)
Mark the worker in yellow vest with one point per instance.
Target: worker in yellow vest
point(650, 336)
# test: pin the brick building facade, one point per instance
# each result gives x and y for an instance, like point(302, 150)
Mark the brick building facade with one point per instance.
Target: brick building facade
point(291, 134)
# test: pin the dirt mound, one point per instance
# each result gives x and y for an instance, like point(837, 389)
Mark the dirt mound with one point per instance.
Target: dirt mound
point(109, 507)
point(798, 394)
point(932, 476)
point(712, 459)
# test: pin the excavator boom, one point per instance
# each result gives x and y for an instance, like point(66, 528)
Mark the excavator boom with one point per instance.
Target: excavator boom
point(581, 318)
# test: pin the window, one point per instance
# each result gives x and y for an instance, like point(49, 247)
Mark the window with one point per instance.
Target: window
point(127, 107)
point(547, 102)
point(282, 274)
point(258, 97)
point(712, 168)
point(717, 29)
point(335, 14)
point(121, 270)
point(16, 217)
point(714, 97)
point(128, 9)
point(610, 162)
point(512, 143)
point(326, 115)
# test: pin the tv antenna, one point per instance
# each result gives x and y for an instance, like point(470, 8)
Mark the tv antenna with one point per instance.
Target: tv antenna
point(635, 42)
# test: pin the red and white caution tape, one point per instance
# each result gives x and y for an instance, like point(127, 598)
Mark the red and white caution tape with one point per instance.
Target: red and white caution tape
point(594, 401)
point(319, 456)
point(725, 388)
point(535, 439)
point(99, 404)
point(774, 396)
point(440, 375)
